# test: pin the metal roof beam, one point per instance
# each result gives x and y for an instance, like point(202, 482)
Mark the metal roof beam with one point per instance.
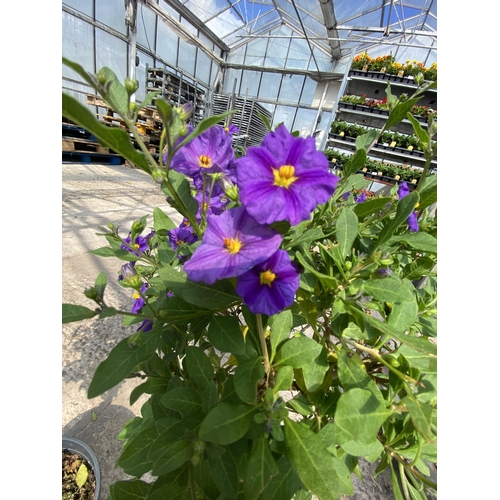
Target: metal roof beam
point(331, 28)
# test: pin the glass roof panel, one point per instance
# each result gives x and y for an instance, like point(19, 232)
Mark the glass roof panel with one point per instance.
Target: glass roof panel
point(371, 25)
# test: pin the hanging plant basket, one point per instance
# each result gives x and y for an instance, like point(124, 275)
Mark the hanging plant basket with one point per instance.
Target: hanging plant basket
point(81, 476)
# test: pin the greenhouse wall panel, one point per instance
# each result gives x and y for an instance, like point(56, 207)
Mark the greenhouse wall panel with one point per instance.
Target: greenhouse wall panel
point(111, 13)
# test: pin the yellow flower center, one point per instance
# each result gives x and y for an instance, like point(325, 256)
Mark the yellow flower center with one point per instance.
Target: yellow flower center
point(284, 176)
point(267, 277)
point(136, 295)
point(205, 161)
point(233, 245)
point(136, 246)
point(180, 242)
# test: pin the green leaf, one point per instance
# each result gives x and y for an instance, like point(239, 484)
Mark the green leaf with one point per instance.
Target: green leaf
point(418, 343)
point(403, 315)
point(364, 141)
point(352, 374)
point(359, 416)
point(321, 472)
point(209, 397)
point(220, 295)
point(356, 161)
point(100, 284)
point(314, 373)
point(346, 230)
point(284, 379)
point(370, 207)
point(205, 124)
point(224, 473)
point(180, 311)
point(134, 458)
point(418, 268)
point(428, 195)
point(108, 312)
point(423, 242)
point(422, 134)
point(400, 112)
point(226, 423)
point(246, 379)
point(182, 399)
point(173, 455)
point(183, 189)
point(116, 139)
point(165, 111)
point(265, 121)
point(298, 352)
point(225, 335)
point(284, 484)
point(421, 416)
point(81, 475)
point(72, 312)
point(111, 252)
point(388, 290)
point(405, 208)
point(162, 221)
point(328, 281)
point(122, 360)
point(261, 467)
point(281, 327)
point(199, 367)
point(135, 489)
point(312, 234)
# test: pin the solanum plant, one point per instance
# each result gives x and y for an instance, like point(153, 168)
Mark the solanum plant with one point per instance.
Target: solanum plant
point(283, 331)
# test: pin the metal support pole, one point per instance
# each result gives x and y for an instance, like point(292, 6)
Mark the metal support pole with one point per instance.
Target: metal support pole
point(130, 21)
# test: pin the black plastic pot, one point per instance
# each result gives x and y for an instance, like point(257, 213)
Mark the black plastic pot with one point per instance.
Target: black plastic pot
point(77, 446)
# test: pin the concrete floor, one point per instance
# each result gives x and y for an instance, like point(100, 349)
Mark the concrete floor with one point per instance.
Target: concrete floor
point(94, 195)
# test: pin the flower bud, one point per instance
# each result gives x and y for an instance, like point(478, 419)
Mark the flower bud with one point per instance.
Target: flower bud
point(347, 265)
point(101, 77)
point(185, 111)
point(137, 227)
point(419, 78)
point(91, 293)
point(111, 226)
point(157, 176)
point(133, 106)
point(131, 85)
point(130, 276)
point(382, 272)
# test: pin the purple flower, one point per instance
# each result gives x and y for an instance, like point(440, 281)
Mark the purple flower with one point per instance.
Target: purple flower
point(361, 198)
point(232, 129)
point(181, 235)
point(412, 222)
point(270, 286)
point(345, 196)
point(140, 244)
point(284, 179)
point(145, 326)
point(214, 206)
point(233, 243)
point(403, 191)
point(209, 152)
point(139, 302)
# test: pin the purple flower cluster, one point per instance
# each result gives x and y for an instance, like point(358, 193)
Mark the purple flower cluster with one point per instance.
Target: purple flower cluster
point(403, 191)
point(284, 179)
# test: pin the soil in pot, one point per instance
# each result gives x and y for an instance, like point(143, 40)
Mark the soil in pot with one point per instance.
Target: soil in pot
point(78, 479)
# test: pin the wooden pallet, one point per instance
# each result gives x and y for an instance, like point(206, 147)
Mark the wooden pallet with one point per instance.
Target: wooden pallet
point(83, 146)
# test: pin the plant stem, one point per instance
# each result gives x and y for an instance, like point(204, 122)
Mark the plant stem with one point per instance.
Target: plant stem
point(406, 465)
point(377, 356)
point(263, 346)
point(192, 482)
